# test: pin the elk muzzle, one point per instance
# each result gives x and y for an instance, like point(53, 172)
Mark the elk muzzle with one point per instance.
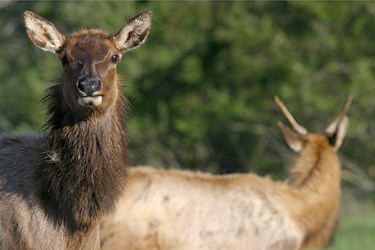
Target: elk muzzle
point(89, 89)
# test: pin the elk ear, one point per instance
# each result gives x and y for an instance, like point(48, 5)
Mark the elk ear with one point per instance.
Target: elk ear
point(42, 32)
point(336, 132)
point(292, 138)
point(134, 32)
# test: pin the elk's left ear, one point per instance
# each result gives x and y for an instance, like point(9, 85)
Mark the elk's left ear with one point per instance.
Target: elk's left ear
point(134, 32)
point(336, 131)
point(292, 138)
point(42, 32)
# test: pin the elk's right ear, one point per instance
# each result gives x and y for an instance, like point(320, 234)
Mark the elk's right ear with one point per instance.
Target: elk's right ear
point(292, 138)
point(42, 32)
point(134, 32)
point(336, 131)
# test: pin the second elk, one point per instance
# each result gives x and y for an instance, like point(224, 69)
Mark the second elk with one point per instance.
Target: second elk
point(182, 210)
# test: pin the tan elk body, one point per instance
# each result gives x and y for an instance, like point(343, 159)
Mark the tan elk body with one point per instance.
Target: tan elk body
point(183, 210)
point(54, 189)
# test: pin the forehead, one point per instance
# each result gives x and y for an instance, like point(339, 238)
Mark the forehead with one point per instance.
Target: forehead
point(93, 44)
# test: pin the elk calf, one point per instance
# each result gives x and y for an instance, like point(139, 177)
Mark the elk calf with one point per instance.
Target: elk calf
point(54, 189)
point(182, 210)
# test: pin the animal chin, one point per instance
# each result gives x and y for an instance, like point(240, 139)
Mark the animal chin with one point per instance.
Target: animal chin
point(90, 101)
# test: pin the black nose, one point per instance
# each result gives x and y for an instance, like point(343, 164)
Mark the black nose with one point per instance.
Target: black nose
point(89, 85)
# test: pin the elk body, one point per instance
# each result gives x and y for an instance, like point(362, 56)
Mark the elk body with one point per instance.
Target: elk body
point(182, 210)
point(54, 189)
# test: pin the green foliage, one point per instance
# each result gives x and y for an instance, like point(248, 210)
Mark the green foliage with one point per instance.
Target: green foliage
point(202, 87)
point(357, 225)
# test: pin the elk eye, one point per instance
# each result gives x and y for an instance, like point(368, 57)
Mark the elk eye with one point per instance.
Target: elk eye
point(114, 58)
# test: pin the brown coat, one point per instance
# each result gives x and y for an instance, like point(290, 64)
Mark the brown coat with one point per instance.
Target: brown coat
point(54, 189)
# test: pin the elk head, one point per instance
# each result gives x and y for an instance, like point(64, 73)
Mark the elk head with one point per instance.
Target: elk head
point(297, 137)
point(89, 58)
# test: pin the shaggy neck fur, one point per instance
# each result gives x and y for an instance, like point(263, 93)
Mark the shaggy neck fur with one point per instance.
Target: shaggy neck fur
point(316, 174)
point(85, 164)
point(316, 166)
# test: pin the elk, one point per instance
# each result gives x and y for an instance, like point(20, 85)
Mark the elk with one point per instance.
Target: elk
point(183, 210)
point(55, 189)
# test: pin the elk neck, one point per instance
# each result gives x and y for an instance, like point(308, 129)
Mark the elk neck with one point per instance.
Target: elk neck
point(316, 167)
point(85, 161)
point(315, 177)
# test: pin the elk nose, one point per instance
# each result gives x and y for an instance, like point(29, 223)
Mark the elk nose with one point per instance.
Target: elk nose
point(89, 85)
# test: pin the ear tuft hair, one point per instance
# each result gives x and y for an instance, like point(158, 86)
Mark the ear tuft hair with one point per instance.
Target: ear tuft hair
point(42, 32)
point(134, 32)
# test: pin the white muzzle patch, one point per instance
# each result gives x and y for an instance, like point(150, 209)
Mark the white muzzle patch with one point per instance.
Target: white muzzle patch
point(90, 101)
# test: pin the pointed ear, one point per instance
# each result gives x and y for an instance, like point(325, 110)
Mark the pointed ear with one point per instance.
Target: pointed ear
point(336, 132)
point(134, 32)
point(42, 32)
point(292, 138)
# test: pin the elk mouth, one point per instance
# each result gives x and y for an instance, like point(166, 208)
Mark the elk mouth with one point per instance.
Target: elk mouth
point(90, 101)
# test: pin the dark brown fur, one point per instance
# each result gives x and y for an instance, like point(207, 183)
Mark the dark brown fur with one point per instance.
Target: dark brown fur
point(96, 147)
point(54, 189)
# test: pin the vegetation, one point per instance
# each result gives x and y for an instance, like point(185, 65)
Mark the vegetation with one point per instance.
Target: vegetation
point(202, 87)
point(357, 225)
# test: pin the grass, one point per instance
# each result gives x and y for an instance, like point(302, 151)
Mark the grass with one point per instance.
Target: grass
point(357, 225)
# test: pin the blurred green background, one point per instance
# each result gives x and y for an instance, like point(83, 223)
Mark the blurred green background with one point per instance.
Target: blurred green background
point(201, 88)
